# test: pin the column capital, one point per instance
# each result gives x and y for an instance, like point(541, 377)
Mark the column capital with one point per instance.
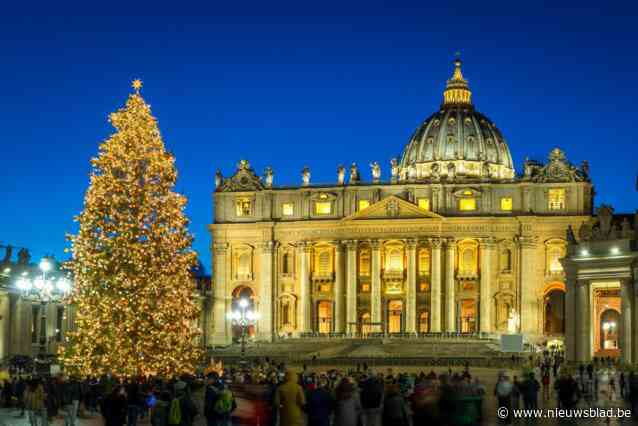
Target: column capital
point(351, 244)
point(450, 243)
point(338, 245)
point(527, 242)
point(220, 248)
point(375, 244)
point(436, 243)
point(304, 246)
point(487, 243)
point(411, 243)
point(268, 246)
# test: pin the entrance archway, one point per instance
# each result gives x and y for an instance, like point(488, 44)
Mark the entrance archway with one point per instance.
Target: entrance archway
point(242, 293)
point(395, 316)
point(554, 310)
point(468, 316)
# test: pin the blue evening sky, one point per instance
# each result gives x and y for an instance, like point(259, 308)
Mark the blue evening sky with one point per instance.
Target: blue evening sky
point(301, 83)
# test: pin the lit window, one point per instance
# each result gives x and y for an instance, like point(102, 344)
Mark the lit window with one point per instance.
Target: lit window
point(506, 204)
point(363, 204)
point(424, 203)
point(288, 209)
point(467, 204)
point(424, 287)
point(556, 199)
point(365, 288)
point(243, 207)
point(323, 207)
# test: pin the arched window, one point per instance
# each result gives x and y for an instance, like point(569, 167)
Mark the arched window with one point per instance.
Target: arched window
point(285, 313)
point(555, 250)
point(468, 261)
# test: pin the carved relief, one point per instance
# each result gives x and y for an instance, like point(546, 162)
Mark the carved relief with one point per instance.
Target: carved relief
point(244, 179)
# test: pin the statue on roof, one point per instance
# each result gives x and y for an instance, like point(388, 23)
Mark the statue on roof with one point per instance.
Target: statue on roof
point(354, 174)
point(376, 171)
point(268, 177)
point(219, 179)
point(341, 174)
point(394, 170)
point(305, 176)
point(8, 252)
point(23, 257)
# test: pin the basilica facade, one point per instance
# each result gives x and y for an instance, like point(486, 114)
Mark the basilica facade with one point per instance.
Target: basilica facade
point(453, 240)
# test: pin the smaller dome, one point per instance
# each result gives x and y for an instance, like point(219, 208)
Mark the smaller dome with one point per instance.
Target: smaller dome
point(457, 141)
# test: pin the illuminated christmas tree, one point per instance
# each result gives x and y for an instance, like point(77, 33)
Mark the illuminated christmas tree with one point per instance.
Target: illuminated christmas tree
point(134, 293)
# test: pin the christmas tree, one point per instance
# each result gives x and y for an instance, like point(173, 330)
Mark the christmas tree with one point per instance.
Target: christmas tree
point(132, 259)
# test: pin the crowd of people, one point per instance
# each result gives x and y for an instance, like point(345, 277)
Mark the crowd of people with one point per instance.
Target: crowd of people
point(272, 394)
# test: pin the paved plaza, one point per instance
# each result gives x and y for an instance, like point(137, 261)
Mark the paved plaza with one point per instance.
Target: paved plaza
point(9, 417)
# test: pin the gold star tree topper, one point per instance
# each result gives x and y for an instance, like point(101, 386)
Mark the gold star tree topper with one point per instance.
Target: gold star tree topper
point(137, 85)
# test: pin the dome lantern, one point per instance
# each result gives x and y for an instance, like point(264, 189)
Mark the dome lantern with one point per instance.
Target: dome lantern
point(456, 143)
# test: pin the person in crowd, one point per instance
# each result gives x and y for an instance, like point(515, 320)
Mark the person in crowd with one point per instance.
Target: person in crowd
point(159, 410)
point(503, 392)
point(394, 406)
point(567, 391)
point(320, 403)
point(622, 382)
point(424, 403)
point(187, 409)
point(347, 406)
point(529, 391)
point(114, 407)
point(70, 399)
point(372, 391)
point(516, 393)
point(546, 385)
point(290, 400)
point(34, 403)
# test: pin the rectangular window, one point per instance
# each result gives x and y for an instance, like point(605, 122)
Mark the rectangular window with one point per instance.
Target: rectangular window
point(506, 204)
point(323, 207)
point(365, 288)
point(424, 203)
point(288, 209)
point(243, 207)
point(363, 204)
point(467, 204)
point(556, 198)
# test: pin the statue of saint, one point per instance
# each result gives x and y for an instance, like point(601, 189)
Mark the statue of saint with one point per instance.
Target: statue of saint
point(412, 172)
point(376, 171)
point(513, 321)
point(394, 169)
point(451, 171)
point(341, 175)
point(625, 229)
point(305, 176)
point(219, 178)
point(23, 257)
point(354, 174)
point(268, 177)
point(571, 238)
point(436, 172)
point(8, 252)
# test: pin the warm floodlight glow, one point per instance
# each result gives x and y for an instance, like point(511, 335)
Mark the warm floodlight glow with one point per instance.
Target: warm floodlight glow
point(584, 252)
point(243, 303)
point(64, 285)
point(23, 284)
point(615, 250)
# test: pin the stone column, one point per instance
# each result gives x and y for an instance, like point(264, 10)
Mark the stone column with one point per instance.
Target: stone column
point(375, 285)
point(435, 289)
point(570, 320)
point(487, 250)
point(221, 295)
point(528, 286)
point(305, 301)
point(626, 315)
point(351, 286)
point(265, 321)
point(583, 332)
point(339, 295)
point(410, 289)
point(5, 324)
point(450, 287)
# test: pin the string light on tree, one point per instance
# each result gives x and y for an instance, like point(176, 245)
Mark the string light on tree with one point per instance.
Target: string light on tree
point(132, 257)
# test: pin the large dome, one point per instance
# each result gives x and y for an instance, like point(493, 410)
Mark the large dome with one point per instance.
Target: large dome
point(457, 142)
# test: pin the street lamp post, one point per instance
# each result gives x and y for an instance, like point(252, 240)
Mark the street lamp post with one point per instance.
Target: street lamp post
point(244, 318)
point(44, 288)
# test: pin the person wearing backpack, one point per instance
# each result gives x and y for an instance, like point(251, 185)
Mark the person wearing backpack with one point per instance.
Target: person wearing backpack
point(182, 411)
point(224, 406)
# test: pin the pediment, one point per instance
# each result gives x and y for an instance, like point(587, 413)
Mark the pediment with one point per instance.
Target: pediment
point(392, 207)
